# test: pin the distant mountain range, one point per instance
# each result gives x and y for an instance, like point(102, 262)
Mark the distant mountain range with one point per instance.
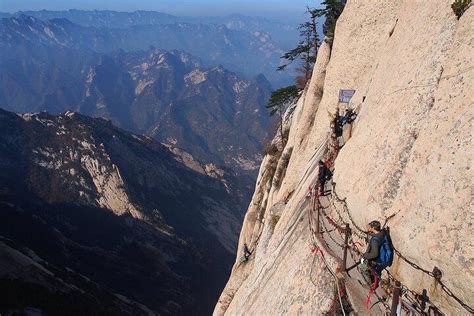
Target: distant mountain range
point(245, 45)
point(119, 223)
point(284, 33)
point(210, 112)
point(97, 219)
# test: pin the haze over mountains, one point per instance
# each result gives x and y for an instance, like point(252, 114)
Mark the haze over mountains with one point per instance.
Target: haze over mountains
point(211, 112)
point(282, 32)
point(117, 222)
point(245, 45)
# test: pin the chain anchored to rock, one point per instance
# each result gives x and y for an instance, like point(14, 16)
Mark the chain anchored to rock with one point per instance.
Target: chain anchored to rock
point(351, 246)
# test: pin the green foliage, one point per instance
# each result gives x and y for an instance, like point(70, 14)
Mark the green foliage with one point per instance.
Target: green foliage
point(281, 98)
point(331, 10)
point(275, 219)
point(460, 6)
point(279, 102)
point(307, 47)
point(303, 48)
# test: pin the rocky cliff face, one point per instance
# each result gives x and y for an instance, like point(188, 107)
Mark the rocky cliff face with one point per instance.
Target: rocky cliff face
point(90, 210)
point(406, 160)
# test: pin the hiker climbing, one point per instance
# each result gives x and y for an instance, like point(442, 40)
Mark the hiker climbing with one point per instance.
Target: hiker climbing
point(247, 251)
point(379, 253)
point(324, 175)
point(246, 255)
point(337, 124)
point(348, 117)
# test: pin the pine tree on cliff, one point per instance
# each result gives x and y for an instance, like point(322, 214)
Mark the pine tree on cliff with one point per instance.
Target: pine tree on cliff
point(306, 50)
point(279, 102)
point(331, 10)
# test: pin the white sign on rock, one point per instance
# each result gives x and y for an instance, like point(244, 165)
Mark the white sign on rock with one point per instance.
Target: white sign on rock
point(345, 95)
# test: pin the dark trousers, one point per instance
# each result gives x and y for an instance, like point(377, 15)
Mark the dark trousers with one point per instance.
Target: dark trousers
point(367, 270)
point(322, 186)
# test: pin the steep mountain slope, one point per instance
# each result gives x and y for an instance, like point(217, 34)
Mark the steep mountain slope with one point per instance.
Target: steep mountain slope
point(211, 113)
point(123, 211)
point(247, 53)
point(407, 161)
point(30, 285)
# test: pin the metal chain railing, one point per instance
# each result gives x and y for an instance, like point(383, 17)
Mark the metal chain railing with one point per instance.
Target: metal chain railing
point(434, 274)
point(331, 154)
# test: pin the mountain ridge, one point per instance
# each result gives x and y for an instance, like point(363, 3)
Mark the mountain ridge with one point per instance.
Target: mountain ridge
point(247, 53)
point(120, 19)
point(115, 207)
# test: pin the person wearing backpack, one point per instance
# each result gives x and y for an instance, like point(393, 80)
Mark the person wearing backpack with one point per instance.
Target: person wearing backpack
point(338, 124)
point(323, 176)
point(379, 253)
point(247, 251)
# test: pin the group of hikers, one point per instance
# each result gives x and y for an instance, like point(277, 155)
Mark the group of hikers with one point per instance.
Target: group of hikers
point(379, 252)
point(340, 120)
point(377, 256)
point(337, 125)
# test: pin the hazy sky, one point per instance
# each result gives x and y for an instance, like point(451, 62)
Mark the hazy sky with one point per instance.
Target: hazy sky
point(177, 7)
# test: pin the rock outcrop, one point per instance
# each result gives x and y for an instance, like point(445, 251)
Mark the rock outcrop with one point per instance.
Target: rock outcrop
point(408, 160)
point(120, 221)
